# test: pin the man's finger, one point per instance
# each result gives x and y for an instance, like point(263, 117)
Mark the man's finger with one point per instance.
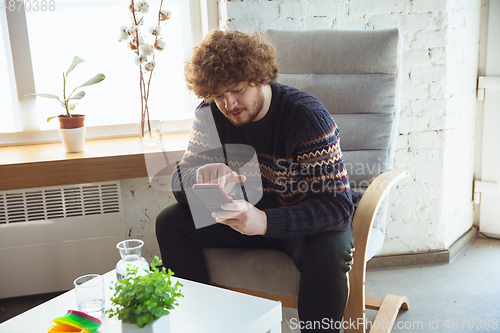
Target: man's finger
point(234, 177)
point(214, 178)
point(229, 222)
point(224, 215)
point(237, 205)
point(222, 180)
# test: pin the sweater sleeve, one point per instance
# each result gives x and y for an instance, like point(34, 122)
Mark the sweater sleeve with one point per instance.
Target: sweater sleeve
point(320, 182)
point(204, 147)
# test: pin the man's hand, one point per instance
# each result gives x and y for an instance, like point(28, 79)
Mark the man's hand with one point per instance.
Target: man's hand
point(243, 217)
point(217, 173)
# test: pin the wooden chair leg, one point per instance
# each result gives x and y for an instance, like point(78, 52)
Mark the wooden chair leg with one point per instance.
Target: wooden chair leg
point(354, 314)
point(387, 313)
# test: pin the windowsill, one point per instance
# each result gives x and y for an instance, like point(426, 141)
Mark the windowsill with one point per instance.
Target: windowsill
point(102, 160)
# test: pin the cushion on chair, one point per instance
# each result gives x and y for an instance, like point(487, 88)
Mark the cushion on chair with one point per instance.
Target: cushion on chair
point(380, 219)
point(375, 243)
point(360, 90)
point(264, 270)
point(355, 75)
point(336, 51)
point(255, 269)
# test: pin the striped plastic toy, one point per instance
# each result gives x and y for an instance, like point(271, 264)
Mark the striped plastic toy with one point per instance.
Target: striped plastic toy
point(75, 321)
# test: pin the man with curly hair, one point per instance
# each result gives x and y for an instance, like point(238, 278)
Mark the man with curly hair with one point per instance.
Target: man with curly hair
point(307, 205)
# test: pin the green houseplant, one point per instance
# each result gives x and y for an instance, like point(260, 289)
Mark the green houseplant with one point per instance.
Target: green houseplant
point(143, 299)
point(71, 126)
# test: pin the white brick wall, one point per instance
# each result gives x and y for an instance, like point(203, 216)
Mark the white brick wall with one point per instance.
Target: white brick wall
point(462, 38)
point(141, 205)
point(436, 142)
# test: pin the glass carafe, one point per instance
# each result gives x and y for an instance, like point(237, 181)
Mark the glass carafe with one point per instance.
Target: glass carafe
point(130, 251)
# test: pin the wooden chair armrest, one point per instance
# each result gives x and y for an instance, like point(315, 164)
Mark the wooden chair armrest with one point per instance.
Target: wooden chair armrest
point(361, 225)
point(368, 207)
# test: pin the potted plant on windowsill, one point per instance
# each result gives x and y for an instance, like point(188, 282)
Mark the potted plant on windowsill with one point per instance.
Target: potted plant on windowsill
point(71, 126)
point(143, 302)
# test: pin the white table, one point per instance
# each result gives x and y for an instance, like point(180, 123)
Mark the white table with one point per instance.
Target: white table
point(203, 309)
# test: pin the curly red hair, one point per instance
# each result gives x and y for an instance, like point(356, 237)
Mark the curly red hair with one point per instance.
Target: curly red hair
point(226, 58)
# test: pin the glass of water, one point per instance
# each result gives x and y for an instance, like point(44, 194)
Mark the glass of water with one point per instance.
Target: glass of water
point(89, 291)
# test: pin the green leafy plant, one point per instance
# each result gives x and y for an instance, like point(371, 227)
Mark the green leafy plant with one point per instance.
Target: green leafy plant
point(142, 299)
point(65, 100)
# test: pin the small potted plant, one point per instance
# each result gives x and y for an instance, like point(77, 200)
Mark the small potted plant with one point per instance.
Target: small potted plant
point(144, 301)
point(71, 126)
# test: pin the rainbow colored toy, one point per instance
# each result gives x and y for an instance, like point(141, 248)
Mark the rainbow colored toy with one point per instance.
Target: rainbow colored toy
point(75, 322)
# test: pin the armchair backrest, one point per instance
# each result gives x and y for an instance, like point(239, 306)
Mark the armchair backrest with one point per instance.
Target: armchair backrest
point(356, 75)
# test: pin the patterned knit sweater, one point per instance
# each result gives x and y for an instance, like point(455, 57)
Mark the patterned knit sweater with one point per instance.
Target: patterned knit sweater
point(302, 174)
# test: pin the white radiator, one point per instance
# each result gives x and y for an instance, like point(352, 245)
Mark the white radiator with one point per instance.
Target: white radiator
point(51, 235)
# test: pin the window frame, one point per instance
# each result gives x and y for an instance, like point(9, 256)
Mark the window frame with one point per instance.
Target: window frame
point(204, 17)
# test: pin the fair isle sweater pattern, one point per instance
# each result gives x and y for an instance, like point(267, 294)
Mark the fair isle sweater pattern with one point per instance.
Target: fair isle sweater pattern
point(300, 168)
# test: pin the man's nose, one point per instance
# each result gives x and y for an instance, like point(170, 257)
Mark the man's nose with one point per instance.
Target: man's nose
point(230, 102)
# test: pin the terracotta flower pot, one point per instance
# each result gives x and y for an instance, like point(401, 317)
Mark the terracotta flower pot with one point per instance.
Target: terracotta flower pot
point(77, 120)
point(72, 131)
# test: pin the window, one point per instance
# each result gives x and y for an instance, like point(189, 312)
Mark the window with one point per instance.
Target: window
point(90, 29)
point(6, 93)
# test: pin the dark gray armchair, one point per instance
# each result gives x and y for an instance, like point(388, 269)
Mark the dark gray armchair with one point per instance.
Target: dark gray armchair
point(356, 75)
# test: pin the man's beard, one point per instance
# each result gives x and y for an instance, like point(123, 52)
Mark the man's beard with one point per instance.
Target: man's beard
point(257, 107)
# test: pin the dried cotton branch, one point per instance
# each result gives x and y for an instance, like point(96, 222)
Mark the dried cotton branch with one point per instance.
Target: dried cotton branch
point(144, 50)
point(159, 45)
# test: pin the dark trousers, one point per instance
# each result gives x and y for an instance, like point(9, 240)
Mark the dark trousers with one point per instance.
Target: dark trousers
point(322, 259)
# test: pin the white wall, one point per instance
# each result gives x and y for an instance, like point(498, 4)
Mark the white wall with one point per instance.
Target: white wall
point(434, 207)
point(141, 205)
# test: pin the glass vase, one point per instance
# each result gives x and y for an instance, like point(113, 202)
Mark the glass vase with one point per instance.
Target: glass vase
point(150, 133)
point(130, 251)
